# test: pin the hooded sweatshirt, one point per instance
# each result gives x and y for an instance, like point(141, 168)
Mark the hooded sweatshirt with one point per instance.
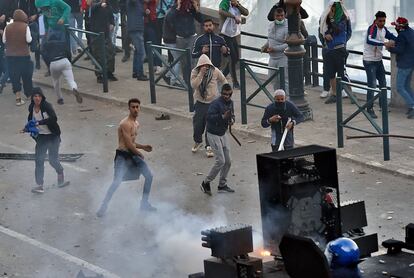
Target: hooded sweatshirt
point(213, 76)
point(17, 35)
point(339, 28)
point(53, 11)
point(47, 112)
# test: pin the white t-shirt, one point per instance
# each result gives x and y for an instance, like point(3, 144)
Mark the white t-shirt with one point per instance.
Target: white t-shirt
point(43, 129)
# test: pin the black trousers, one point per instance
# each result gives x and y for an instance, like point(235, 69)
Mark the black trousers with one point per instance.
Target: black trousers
point(200, 121)
point(234, 57)
point(98, 53)
point(46, 143)
point(21, 69)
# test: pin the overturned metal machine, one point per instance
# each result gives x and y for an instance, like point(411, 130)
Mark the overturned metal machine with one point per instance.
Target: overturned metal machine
point(299, 195)
point(301, 212)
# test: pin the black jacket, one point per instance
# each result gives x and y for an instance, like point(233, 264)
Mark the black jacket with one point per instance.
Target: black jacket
point(168, 32)
point(7, 9)
point(281, 4)
point(74, 5)
point(214, 42)
point(101, 18)
point(28, 6)
point(183, 22)
point(215, 123)
point(51, 121)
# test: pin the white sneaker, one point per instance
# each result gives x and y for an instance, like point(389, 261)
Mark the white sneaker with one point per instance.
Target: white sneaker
point(324, 94)
point(344, 94)
point(158, 70)
point(196, 147)
point(209, 152)
point(19, 101)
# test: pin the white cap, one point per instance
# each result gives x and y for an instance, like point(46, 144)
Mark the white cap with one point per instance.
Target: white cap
point(279, 92)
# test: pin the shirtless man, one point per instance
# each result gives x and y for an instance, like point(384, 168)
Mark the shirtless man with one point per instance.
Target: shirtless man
point(129, 161)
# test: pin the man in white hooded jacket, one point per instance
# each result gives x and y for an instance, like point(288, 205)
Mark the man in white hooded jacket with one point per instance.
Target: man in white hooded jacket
point(204, 81)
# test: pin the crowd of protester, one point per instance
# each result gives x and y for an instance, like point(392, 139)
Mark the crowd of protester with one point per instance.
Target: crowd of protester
point(37, 26)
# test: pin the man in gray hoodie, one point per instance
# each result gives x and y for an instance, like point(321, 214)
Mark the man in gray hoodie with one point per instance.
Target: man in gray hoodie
point(276, 45)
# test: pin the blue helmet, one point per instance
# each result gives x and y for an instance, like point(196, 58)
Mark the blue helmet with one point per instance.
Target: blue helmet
point(342, 252)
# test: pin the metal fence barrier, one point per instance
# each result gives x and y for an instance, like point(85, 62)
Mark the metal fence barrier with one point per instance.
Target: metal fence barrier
point(246, 65)
point(155, 50)
point(341, 123)
point(86, 50)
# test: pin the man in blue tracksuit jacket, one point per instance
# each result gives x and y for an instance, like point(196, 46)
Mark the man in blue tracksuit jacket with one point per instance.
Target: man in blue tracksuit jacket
point(277, 115)
point(404, 48)
point(210, 44)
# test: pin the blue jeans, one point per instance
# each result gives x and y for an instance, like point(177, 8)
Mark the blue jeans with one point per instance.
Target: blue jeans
point(46, 143)
point(177, 67)
point(137, 39)
point(375, 71)
point(404, 86)
point(75, 21)
point(128, 167)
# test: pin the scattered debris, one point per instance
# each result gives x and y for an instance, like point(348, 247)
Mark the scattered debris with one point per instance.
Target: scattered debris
point(86, 110)
point(167, 128)
point(362, 172)
point(390, 212)
point(381, 261)
point(76, 246)
point(251, 141)
point(109, 125)
point(389, 217)
point(198, 174)
point(163, 117)
point(378, 182)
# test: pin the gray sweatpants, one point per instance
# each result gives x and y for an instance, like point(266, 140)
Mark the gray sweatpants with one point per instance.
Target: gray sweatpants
point(59, 68)
point(276, 63)
point(221, 149)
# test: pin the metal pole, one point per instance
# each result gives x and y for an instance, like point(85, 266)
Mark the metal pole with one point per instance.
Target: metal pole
point(67, 38)
point(307, 65)
point(385, 127)
point(339, 119)
point(104, 62)
point(282, 78)
point(150, 57)
point(188, 80)
point(295, 53)
point(315, 65)
point(243, 103)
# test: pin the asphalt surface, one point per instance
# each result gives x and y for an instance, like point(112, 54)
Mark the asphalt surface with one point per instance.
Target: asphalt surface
point(57, 234)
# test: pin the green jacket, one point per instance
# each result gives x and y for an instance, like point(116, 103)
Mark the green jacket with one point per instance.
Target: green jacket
point(53, 10)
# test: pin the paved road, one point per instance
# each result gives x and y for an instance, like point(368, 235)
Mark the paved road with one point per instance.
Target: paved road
point(57, 234)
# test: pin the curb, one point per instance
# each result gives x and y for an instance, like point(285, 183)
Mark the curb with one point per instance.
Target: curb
point(240, 129)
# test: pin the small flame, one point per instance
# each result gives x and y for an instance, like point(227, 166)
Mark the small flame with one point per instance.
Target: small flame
point(265, 253)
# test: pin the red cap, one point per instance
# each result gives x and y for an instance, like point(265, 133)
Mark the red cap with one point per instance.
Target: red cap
point(401, 21)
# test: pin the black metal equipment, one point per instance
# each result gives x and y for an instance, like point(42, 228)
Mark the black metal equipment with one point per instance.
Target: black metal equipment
point(298, 191)
point(301, 212)
point(230, 246)
point(70, 157)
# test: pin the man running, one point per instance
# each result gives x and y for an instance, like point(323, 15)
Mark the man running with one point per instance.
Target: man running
point(129, 162)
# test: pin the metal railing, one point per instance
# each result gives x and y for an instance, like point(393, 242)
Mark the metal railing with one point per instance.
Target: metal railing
point(246, 65)
point(86, 50)
point(155, 50)
point(341, 123)
point(312, 59)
